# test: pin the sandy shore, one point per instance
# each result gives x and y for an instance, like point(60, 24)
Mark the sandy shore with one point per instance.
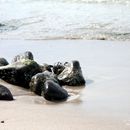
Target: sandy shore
point(103, 104)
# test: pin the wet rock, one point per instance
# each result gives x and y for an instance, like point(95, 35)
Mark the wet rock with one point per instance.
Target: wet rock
point(20, 73)
point(54, 92)
point(5, 93)
point(47, 85)
point(70, 74)
point(38, 80)
point(26, 55)
point(3, 62)
point(58, 68)
point(46, 67)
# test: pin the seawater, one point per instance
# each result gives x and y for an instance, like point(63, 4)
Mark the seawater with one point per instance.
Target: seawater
point(65, 19)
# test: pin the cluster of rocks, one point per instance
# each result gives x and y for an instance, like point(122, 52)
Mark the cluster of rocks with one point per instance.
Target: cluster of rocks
point(44, 80)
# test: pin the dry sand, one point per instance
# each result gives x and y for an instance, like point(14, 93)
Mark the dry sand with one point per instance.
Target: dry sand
point(103, 104)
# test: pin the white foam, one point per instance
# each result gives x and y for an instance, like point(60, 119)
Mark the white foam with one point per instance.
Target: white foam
point(64, 19)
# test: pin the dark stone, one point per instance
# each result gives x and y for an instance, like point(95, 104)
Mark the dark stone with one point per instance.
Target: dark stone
point(3, 62)
point(20, 73)
point(46, 67)
point(54, 92)
point(5, 93)
point(38, 80)
point(23, 56)
point(71, 74)
point(58, 68)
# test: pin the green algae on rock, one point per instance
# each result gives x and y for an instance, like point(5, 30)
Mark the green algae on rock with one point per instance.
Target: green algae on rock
point(20, 73)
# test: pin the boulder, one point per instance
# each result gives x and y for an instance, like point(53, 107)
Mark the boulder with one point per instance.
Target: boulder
point(3, 61)
point(52, 91)
point(69, 74)
point(38, 80)
point(5, 93)
point(20, 73)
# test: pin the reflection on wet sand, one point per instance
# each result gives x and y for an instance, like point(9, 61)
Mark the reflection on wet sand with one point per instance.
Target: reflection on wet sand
point(26, 95)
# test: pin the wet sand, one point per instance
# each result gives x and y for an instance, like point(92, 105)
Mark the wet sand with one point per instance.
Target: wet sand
point(103, 104)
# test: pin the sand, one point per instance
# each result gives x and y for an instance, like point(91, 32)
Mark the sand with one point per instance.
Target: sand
point(103, 104)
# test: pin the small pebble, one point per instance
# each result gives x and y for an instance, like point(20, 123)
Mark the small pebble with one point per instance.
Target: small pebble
point(2, 122)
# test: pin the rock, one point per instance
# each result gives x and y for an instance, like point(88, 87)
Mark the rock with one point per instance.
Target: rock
point(46, 67)
point(58, 68)
point(71, 74)
point(5, 93)
point(26, 55)
point(3, 62)
point(38, 80)
point(54, 92)
point(20, 73)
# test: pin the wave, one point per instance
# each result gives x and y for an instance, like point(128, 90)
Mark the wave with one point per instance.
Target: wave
point(12, 25)
point(77, 1)
point(99, 1)
point(44, 19)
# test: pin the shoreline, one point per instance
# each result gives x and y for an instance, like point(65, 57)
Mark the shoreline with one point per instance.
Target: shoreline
point(103, 103)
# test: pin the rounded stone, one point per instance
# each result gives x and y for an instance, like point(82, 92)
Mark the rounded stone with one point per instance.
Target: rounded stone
point(38, 80)
point(5, 93)
point(54, 92)
point(3, 61)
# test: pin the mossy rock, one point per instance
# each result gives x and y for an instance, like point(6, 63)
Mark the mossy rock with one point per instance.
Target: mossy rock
point(20, 73)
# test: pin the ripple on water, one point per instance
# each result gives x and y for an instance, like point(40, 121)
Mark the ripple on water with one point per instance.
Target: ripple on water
point(41, 19)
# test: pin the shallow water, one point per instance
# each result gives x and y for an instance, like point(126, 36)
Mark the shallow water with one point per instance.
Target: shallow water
point(102, 105)
point(65, 19)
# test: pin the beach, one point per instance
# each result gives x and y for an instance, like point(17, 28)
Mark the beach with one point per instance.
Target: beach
point(94, 32)
point(102, 104)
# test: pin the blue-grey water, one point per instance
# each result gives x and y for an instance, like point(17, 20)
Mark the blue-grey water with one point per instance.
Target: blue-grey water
point(65, 19)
